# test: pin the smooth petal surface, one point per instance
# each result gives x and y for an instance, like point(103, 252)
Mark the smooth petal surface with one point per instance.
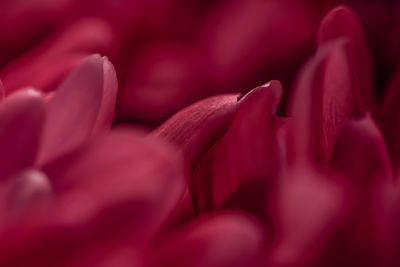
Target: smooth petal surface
point(21, 120)
point(45, 66)
point(324, 97)
point(246, 156)
point(309, 210)
point(118, 187)
point(344, 22)
point(389, 120)
point(195, 128)
point(213, 242)
point(2, 92)
point(82, 106)
point(360, 155)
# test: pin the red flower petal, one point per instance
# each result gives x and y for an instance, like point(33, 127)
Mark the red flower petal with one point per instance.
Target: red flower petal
point(195, 128)
point(389, 120)
point(21, 121)
point(2, 91)
point(217, 241)
point(246, 155)
point(323, 99)
point(117, 187)
point(344, 22)
point(82, 106)
point(47, 64)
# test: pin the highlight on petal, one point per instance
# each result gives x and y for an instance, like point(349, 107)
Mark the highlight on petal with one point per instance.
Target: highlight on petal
point(389, 120)
point(82, 106)
point(21, 120)
point(219, 240)
point(195, 128)
point(118, 188)
point(246, 157)
point(344, 22)
point(45, 66)
point(324, 97)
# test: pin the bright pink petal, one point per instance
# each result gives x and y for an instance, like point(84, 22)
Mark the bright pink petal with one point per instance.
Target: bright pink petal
point(47, 64)
point(21, 121)
point(118, 187)
point(324, 97)
point(344, 22)
point(195, 128)
point(83, 105)
point(245, 159)
point(217, 241)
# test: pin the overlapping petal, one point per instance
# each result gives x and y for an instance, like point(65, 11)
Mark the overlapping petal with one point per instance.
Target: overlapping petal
point(22, 116)
point(246, 157)
point(111, 189)
point(81, 107)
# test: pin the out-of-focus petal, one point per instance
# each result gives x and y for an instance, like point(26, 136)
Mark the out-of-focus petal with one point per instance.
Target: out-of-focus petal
point(21, 119)
point(344, 22)
point(246, 157)
point(83, 105)
point(389, 120)
point(361, 157)
point(309, 210)
point(324, 97)
point(227, 239)
point(163, 80)
point(195, 128)
point(2, 91)
point(252, 41)
point(118, 187)
point(48, 63)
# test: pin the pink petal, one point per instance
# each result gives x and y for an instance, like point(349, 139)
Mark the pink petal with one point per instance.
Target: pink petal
point(21, 121)
point(118, 187)
point(195, 128)
point(323, 99)
point(48, 63)
point(226, 239)
point(344, 22)
point(245, 158)
point(83, 105)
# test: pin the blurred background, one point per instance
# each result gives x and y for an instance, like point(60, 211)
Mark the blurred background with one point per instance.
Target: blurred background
point(170, 53)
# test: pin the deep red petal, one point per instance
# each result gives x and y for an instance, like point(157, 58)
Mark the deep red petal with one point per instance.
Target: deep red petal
point(118, 187)
point(344, 22)
point(216, 241)
point(47, 64)
point(323, 99)
point(245, 156)
point(21, 119)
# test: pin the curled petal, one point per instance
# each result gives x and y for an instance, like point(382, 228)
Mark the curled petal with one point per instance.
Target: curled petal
point(118, 187)
point(83, 105)
point(245, 157)
point(219, 240)
point(195, 128)
point(47, 64)
point(323, 99)
point(344, 22)
point(21, 120)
